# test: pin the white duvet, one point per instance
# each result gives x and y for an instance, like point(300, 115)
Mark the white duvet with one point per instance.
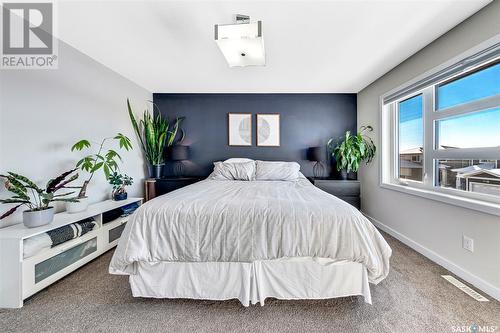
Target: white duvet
point(244, 221)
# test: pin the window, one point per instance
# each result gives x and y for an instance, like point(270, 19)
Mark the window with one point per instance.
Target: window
point(483, 83)
point(441, 134)
point(463, 174)
point(473, 130)
point(411, 136)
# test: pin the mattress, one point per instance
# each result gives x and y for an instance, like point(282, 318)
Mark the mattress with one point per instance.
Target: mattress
point(248, 221)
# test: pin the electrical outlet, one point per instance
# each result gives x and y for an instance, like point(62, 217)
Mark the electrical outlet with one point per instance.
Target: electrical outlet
point(468, 243)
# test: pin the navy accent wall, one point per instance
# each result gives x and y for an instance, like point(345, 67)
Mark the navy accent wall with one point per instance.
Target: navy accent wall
point(307, 120)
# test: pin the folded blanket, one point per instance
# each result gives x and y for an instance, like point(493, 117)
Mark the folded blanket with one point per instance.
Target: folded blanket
point(129, 209)
point(36, 244)
point(70, 231)
point(119, 212)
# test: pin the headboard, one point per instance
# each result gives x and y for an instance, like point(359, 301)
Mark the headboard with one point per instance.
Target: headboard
point(306, 120)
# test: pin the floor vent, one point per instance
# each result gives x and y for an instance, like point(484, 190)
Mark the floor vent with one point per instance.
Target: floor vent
point(466, 289)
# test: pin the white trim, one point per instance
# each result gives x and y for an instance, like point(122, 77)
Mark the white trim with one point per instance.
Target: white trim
point(479, 205)
point(476, 281)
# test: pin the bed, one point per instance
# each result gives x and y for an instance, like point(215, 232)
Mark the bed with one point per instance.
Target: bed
point(250, 239)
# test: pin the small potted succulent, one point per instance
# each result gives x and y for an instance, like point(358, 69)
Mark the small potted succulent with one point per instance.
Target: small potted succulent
point(119, 182)
point(104, 159)
point(37, 199)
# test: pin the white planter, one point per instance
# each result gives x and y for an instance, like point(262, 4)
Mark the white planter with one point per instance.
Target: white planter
point(76, 207)
point(38, 218)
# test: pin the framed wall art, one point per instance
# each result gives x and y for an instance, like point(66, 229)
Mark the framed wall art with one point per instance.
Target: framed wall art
point(268, 130)
point(240, 129)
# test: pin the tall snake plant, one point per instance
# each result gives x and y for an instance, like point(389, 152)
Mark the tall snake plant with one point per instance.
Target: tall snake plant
point(154, 133)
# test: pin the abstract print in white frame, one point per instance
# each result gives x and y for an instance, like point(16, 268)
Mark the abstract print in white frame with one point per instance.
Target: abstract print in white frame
point(268, 130)
point(240, 129)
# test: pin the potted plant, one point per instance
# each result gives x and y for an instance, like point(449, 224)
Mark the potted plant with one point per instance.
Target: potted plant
point(352, 150)
point(105, 160)
point(37, 199)
point(119, 182)
point(155, 134)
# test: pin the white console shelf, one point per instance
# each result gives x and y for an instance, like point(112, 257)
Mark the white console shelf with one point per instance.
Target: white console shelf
point(22, 277)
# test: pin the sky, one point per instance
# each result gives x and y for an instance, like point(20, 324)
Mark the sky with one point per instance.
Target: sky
point(479, 129)
point(411, 130)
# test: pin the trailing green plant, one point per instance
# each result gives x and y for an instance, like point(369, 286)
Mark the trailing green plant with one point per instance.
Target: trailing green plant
point(119, 182)
point(102, 160)
point(155, 133)
point(27, 193)
point(351, 150)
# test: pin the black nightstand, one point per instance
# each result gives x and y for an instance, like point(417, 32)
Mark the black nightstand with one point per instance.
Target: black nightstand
point(347, 190)
point(156, 187)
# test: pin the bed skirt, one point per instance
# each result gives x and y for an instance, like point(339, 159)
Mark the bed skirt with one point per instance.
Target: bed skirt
point(287, 278)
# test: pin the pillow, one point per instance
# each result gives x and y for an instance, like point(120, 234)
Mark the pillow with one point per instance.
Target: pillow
point(233, 171)
point(277, 170)
point(238, 160)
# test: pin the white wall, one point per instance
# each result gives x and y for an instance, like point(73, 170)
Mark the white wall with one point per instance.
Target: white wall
point(43, 112)
point(435, 228)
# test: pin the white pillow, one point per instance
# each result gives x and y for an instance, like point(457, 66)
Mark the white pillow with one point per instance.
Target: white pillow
point(277, 170)
point(238, 160)
point(233, 171)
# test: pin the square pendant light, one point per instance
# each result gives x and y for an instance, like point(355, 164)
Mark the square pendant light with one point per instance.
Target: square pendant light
point(241, 43)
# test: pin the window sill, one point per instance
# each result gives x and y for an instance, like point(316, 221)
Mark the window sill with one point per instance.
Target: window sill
point(478, 205)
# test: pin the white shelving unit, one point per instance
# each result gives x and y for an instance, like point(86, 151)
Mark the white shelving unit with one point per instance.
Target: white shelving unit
point(21, 278)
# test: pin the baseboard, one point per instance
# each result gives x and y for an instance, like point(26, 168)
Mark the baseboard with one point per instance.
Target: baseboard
point(477, 282)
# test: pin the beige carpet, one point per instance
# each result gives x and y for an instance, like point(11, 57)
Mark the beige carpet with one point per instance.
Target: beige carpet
point(413, 298)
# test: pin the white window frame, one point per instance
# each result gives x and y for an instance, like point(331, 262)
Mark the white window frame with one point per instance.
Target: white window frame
point(389, 135)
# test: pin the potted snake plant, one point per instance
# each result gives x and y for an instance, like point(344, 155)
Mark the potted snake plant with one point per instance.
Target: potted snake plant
point(155, 134)
point(351, 150)
point(35, 198)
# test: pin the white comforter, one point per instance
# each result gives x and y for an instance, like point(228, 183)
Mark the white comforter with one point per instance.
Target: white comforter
point(243, 221)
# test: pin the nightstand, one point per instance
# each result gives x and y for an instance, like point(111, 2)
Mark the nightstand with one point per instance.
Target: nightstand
point(347, 190)
point(156, 187)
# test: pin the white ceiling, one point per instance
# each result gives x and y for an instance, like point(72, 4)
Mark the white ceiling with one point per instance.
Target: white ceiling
point(311, 46)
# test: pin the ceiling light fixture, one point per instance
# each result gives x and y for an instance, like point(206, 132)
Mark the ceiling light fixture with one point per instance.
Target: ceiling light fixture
point(241, 43)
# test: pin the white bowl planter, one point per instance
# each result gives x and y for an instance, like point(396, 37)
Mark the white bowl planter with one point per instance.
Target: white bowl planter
point(33, 219)
point(76, 207)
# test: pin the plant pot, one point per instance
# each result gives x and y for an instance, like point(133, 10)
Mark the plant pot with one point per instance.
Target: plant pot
point(76, 207)
point(120, 196)
point(352, 175)
point(155, 171)
point(343, 174)
point(33, 219)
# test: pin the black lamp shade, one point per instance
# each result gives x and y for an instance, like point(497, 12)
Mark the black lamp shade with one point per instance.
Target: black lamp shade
point(180, 153)
point(315, 154)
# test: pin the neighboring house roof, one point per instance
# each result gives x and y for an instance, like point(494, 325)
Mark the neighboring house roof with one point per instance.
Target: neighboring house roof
point(474, 168)
point(412, 151)
point(491, 172)
point(409, 165)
